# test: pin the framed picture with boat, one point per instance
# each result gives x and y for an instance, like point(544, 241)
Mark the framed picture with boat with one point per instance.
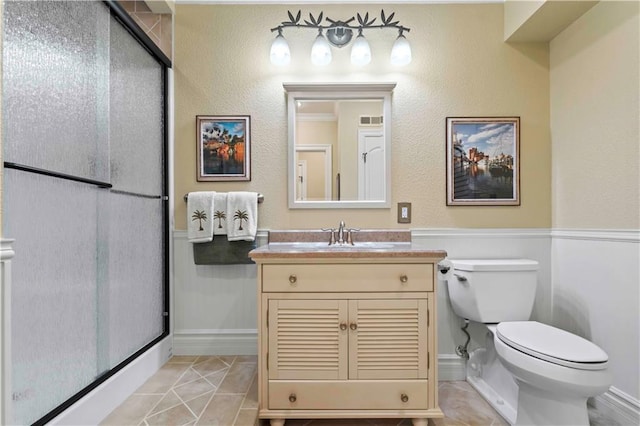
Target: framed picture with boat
point(223, 147)
point(483, 161)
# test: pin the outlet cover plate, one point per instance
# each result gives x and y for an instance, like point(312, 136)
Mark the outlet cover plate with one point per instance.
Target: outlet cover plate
point(404, 212)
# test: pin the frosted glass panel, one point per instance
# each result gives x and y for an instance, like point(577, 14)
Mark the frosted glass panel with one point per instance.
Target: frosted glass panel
point(54, 290)
point(135, 296)
point(136, 120)
point(55, 86)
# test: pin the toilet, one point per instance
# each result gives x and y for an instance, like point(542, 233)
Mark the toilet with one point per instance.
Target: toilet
point(555, 371)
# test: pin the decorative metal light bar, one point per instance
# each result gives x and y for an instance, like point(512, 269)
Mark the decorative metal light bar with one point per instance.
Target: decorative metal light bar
point(339, 34)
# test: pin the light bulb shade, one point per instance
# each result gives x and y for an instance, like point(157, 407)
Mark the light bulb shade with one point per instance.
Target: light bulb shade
point(321, 51)
point(360, 52)
point(280, 53)
point(401, 51)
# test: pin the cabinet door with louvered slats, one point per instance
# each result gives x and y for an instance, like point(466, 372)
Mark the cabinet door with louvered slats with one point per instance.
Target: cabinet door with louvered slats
point(306, 340)
point(388, 339)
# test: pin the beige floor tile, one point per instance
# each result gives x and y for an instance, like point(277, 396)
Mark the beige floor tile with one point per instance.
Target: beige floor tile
point(194, 389)
point(177, 416)
point(189, 376)
point(247, 358)
point(196, 405)
point(221, 410)
point(132, 410)
point(164, 379)
point(238, 379)
point(209, 365)
point(460, 402)
point(169, 400)
point(247, 417)
point(251, 398)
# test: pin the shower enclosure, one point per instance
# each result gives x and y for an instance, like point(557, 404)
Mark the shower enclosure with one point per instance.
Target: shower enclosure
point(85, 198)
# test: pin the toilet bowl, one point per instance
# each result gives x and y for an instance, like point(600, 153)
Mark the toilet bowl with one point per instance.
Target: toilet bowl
point(555, 371)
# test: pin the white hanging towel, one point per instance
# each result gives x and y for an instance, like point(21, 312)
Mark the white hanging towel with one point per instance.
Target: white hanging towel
point(200, 217)
point(220, 216)
point(242, 211)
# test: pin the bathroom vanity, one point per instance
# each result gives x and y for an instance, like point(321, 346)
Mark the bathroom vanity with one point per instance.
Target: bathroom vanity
point(346, 331)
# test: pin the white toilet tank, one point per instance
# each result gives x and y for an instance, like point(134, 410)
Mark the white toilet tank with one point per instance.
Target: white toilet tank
point(493, 290)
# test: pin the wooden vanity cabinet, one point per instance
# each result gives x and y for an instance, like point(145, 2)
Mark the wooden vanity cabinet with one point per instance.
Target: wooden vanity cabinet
point(347, 338)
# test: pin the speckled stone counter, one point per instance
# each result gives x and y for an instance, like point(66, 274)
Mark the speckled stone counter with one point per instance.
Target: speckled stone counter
point(367, 244)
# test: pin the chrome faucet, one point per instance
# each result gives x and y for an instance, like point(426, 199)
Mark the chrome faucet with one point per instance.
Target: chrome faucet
point(340, 239)
point(341, 235)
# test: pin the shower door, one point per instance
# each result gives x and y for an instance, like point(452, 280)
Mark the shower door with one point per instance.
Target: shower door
point(84, 185)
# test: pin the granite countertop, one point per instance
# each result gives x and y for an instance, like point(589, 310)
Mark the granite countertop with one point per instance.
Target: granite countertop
point(367, 244)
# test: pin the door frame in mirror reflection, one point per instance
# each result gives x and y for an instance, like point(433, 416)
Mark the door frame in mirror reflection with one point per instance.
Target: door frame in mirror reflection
point(322, 157)
point(298, 92)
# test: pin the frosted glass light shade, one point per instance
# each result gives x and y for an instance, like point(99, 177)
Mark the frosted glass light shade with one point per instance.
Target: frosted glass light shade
point(280, 53)
point(401, 52)
point(321, 51)
point(360, 52)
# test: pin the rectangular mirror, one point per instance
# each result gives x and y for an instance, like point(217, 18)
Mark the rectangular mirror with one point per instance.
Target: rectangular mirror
point(339, 145)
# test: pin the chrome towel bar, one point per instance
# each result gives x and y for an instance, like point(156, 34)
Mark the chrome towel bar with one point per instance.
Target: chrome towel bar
point(260, 198)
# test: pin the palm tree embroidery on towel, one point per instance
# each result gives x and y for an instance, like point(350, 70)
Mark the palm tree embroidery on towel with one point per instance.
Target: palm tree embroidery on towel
point(241, 215)
point(220, 215)
point(199, 215)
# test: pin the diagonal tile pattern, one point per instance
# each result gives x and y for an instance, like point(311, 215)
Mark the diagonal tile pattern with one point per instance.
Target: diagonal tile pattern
point(223, 391)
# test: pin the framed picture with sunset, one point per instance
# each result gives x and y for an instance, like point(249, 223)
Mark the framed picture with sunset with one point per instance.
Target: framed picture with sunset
point(223, 147)
point(483, 161)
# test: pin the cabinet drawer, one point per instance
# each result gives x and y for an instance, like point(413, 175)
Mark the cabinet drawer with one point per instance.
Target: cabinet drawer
point(354, 394)
point(347, 277)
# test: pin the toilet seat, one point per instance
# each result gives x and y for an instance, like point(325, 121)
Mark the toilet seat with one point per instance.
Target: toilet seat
point(552, 344)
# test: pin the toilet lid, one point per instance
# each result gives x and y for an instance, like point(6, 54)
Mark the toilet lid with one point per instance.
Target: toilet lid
point(552, 344)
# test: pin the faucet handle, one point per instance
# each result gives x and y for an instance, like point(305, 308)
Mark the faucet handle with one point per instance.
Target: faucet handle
point(332, 235)
point(349, 236)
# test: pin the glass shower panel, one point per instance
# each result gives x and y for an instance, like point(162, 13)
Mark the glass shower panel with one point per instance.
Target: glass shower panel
point(136, 116)
point(135, 296)
point(55, 86)
point(53, 291)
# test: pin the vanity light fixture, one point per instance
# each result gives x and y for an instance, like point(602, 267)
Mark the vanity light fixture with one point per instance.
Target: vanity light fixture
point(339, 34)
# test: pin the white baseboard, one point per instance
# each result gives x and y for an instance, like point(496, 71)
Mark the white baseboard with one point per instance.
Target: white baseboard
point(215, 342)
point(619, 406)
point(97, 404)
point(451, 367)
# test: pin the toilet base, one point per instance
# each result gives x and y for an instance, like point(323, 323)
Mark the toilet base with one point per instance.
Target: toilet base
point(542, 407)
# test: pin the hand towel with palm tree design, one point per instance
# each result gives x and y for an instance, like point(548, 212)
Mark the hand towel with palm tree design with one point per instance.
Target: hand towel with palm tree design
point(200, 214)
point(242, 216)
point(220, 216)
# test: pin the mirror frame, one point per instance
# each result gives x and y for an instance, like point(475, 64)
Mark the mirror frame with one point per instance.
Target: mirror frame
point(328, 91)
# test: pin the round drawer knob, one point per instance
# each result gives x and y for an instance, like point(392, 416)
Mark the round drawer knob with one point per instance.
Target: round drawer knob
point(293, 279)
point(343, 326)
point(404, 278)
point(353, 326)
point(404, 397)
point(292, 397)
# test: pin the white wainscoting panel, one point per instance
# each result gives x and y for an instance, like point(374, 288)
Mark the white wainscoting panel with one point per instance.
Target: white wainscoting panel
point(214, 305)
point(596, 288)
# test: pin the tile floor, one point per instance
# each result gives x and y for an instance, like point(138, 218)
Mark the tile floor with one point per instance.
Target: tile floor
point(222, 391)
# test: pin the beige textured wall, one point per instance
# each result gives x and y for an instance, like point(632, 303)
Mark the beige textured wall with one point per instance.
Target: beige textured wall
point(461, 67)
point(595, 126)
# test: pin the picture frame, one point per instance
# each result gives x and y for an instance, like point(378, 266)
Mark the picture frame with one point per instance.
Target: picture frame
point(483, 161)
point(223, 148)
